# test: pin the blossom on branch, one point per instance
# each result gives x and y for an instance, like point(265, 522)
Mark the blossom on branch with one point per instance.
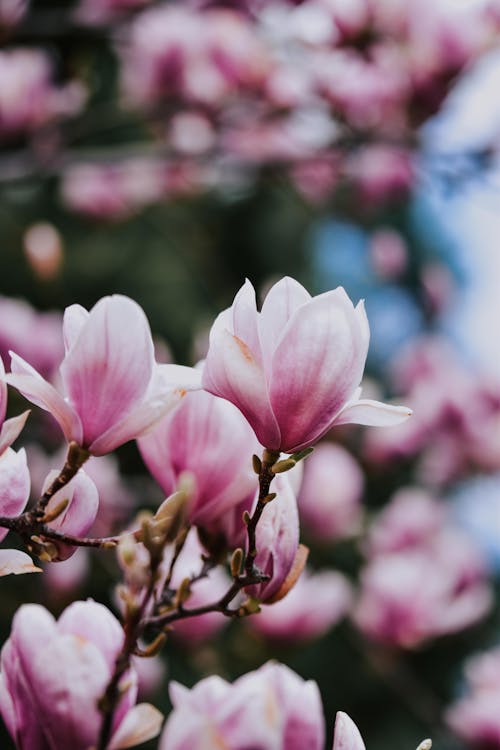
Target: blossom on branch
point(294, 369)
point(114, 391)
point(53, 674)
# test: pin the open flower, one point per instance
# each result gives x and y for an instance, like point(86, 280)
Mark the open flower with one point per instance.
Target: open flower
point(294, 369)
point(113, 389)
point(53, 674)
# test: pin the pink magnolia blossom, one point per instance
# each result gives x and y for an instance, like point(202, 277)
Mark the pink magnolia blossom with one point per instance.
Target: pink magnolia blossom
point(31, 333)
point(208, 439)
point(270, 708)
point(53, 673)
point(313, 606)
point(113, 389)
point(294, 369)
point(475, 717)
point(413, 595)
point(277, 541)
point(329, 499)
point(28, 97)
point(79, 515)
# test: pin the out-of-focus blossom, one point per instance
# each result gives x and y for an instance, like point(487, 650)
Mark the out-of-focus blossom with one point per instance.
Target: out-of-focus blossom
point(32, 334)
point(97, 12)
point(79, 515)
point(44, 706)
point(313, 606)
point(277, 542)
point(28, 97)
point(43, 249)
point(411, 520)
point(457, 420)
point(269, 708)
point(196, 630)
point(422, 580)
point(380, 172)
point(150, 672)
point(12, 12)
point(294, 369)
point(329, 499)
point(202, 57)
point(191, 133)
point(474, 717)
point(388, 253)
point(112, 191)
point(64, 580)
point(113, 389)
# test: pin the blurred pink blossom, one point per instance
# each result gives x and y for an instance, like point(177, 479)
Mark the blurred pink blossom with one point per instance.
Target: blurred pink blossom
point(28, 97)
point(313, 606)
point(424, 578)
point(269, 708)
point(329, 499)
point(30, 333)
point(474, 717)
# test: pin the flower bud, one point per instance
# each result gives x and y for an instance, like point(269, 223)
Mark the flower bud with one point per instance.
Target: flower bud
point(78, 502)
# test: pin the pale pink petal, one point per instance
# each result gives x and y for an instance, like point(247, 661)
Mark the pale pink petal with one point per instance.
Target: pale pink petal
point(346, 734)
point(167, 388)
point(10, 430)
point(281, 302)
point(372, 413)
point(143, 722)
point(244, 318)
point(232, 372)
point(16, 562)
point(108, 368)
point(315, 368)
point(74, 320)
point(3, 393)
point(30, 383)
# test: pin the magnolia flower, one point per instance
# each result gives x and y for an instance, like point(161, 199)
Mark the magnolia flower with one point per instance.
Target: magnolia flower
point(294, 369)
point(270, 708)
point(313, 606)
point(79, 515)
point(113, 389)
point(277, 543)
point(209, 439)
point(53, 674)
